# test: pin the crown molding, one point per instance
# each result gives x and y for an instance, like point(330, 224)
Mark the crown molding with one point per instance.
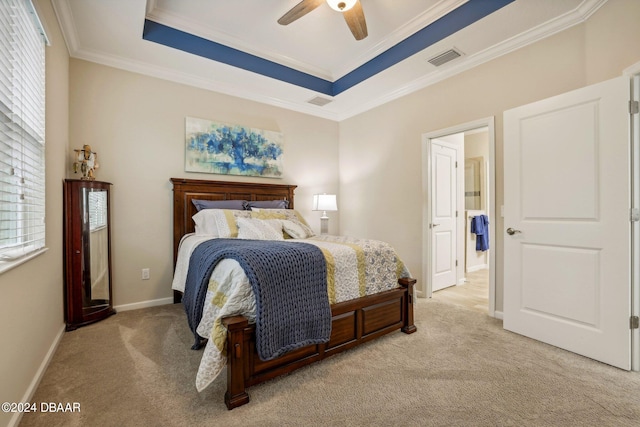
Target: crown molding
point(67, 24)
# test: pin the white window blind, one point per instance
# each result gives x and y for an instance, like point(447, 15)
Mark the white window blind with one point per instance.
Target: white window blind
point(22, 130)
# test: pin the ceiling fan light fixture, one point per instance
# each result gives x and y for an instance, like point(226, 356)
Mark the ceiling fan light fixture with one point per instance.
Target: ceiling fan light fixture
point(341, 5)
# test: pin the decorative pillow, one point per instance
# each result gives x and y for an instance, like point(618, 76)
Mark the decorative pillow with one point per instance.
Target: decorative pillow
point(219, 222)
point(288, 214)
point(294, 229)
point(268, 204)
point(219, 204)
point(259, 229)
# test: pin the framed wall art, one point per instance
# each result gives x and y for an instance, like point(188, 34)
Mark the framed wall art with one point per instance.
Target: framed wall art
point(228, 149)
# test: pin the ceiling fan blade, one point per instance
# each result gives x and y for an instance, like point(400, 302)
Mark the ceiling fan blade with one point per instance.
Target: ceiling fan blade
point(356, 22)
point(299, 10)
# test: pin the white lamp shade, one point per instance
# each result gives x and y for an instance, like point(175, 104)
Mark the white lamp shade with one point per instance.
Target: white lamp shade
point(341, 5)
point(325, 202)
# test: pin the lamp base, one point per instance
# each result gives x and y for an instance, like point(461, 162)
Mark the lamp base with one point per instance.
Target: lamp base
point(324, 225)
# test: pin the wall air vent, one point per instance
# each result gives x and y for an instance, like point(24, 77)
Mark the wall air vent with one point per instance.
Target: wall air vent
point(445, 57)
point(319, 101)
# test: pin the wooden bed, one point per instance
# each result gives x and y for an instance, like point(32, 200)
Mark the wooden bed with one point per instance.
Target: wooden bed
point(353, 322)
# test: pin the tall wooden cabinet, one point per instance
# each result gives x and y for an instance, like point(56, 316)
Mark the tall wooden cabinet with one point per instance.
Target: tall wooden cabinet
point(87, 251)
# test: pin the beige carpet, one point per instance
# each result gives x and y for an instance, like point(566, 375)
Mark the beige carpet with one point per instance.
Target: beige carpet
point(460, 369)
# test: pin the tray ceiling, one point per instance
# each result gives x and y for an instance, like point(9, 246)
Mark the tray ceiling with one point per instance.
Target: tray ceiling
point(313, 65)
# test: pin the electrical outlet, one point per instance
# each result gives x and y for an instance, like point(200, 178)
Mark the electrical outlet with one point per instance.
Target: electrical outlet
point(145, 274)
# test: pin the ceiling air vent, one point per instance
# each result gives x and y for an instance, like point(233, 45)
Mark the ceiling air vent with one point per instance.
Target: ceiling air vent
point(445, 57)
point(319, 101)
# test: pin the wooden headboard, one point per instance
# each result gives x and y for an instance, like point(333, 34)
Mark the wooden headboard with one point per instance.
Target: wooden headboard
point(184, 190)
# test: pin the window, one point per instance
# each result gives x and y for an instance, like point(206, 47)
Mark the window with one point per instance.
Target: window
point(22, 130)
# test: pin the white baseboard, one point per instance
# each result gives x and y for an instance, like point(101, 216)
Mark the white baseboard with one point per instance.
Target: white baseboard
point(28, 395)
point(498, 315)
point(477, 268)
point(144, 304)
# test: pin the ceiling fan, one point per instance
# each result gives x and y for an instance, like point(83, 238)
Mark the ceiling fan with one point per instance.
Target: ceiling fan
point(351, 10)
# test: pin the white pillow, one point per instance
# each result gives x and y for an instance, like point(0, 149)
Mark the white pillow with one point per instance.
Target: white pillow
point(259, 229)
point(295, 229)
point(286, 214)
point(218, 222)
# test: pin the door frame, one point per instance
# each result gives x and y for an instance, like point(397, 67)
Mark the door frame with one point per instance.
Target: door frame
point(633, 73)
point(488, 122)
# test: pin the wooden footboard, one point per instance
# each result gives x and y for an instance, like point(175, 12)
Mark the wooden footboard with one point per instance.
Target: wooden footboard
point(353, 323)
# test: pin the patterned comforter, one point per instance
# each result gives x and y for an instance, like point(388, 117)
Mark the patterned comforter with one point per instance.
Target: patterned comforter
point(355, 268)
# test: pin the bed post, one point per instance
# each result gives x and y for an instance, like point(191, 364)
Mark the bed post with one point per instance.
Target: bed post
point(236, 394)
point(408, 327)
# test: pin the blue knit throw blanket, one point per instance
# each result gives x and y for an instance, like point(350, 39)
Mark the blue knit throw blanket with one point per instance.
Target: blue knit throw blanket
point(289, 280)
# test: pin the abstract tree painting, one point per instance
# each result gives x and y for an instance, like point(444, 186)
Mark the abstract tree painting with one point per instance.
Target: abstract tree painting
point(227, 149)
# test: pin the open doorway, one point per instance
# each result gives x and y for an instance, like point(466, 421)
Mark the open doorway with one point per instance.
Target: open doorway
point(467, 194)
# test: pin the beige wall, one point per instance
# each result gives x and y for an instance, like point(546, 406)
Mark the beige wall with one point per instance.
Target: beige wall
point(476, 145)
point(136, 124)
point(380, 150)
point(31, 306)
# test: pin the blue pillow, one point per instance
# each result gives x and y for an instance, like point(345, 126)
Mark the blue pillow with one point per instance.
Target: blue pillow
point(268, 204)
point(220, 204)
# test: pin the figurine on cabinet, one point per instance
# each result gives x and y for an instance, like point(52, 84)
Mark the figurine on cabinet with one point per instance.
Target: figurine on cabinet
point(86, 162)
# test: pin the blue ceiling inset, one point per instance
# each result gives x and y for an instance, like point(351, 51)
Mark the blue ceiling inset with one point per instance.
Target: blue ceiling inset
point(456, 20)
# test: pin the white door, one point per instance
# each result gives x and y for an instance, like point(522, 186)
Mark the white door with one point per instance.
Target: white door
point(443, 214)
point(567, 277)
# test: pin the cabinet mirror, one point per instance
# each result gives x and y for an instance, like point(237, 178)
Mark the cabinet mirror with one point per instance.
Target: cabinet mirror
point(96, 249)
